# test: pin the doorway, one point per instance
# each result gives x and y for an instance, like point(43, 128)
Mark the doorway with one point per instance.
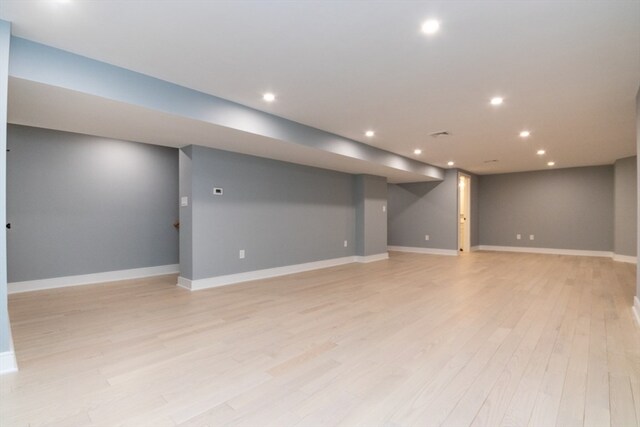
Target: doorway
point(464, 213)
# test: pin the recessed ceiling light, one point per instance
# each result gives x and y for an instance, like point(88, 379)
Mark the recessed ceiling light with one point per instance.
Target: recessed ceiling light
point(430, 26)
point(497, 100)
point(525, 134)
point(551, 163)
point(450, 163)
point(369, 134)
point(540, 152)
point(269, 97)
point(417, 151)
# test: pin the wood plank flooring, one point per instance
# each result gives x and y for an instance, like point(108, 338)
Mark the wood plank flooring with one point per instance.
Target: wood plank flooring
point(484, 339)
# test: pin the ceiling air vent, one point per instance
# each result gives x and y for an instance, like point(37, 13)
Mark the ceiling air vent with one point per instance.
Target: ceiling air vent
point(439, 134)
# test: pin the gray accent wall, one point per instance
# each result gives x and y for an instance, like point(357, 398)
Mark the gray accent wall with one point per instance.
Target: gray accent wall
point(371, 216)
point(279, 213)
point(5, 329)
point(417, 209)
point(81, 204)
point(563, 208)
point(625, 206)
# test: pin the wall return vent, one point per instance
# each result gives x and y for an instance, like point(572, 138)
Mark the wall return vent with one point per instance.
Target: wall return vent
point(439, 134)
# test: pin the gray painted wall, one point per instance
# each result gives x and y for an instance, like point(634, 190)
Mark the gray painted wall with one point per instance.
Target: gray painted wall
point(5, 37)
point(371, 216)
point(80, 204)
point(625, 206)
point(279, 213)
point(423, 208)
point(564, 208)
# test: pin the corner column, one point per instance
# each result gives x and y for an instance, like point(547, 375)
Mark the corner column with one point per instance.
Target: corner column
point(7, 355)
point(371, 217)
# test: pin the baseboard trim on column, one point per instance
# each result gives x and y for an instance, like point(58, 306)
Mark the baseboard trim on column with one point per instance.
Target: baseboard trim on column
point(267, 273)
point(625, 258)
point(372, 258)
point(8, 361)
point(428, 251)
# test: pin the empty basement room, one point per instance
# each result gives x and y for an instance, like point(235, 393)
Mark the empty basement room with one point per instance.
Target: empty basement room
point(346, 213)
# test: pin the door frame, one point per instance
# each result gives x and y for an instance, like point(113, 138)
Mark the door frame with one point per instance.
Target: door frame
point(466, 192)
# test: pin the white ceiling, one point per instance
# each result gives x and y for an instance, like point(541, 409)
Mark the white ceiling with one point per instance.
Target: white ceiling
point(569, 70)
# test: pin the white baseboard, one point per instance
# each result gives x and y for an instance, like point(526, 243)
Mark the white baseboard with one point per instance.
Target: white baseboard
point(8, 362)
point(551, 251)
point(89, 279)
point(230, 279)
point(636, 309)
point(430, 251)
point(372, 258)
point(625, 258)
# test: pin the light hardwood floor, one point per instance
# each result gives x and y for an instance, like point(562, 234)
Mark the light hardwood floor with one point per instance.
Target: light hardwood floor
point(484, 339)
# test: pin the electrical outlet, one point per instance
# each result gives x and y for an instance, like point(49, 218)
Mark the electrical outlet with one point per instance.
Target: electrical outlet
point(426, 237)
point(518, 236)
point(345, 243)
point(532, 237)
point(241, 254)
